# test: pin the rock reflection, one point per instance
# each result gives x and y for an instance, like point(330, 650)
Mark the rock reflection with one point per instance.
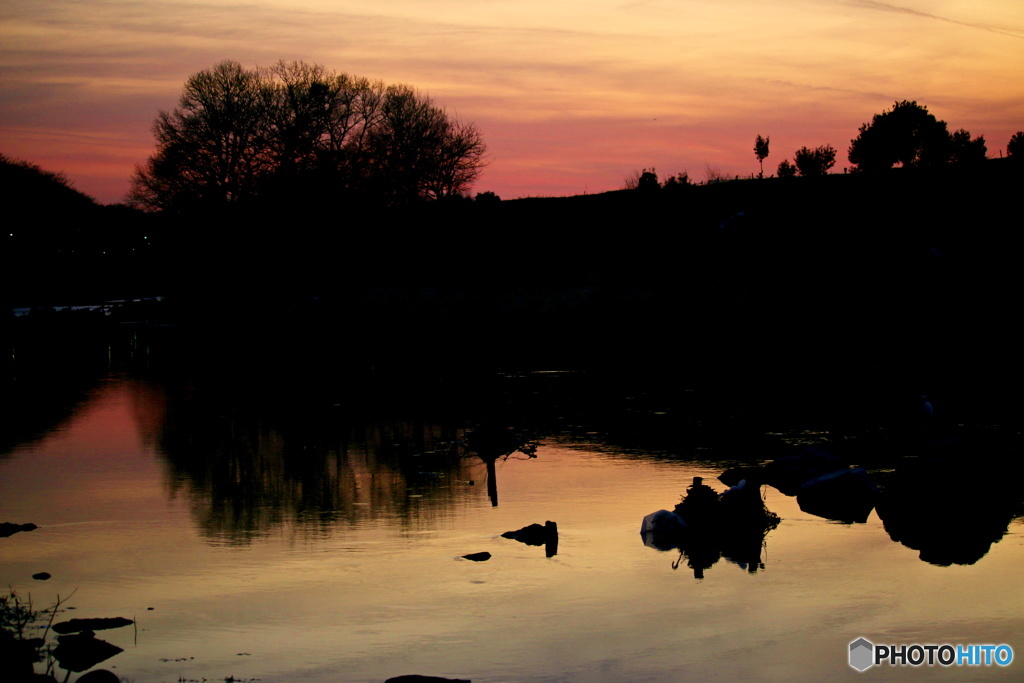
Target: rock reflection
point(706, 526)
point(931, 508)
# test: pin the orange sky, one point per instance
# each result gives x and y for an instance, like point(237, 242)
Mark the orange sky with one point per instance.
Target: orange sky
point(570, 96)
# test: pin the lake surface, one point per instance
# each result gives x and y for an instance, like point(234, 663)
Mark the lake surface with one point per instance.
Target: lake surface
point(324, 543)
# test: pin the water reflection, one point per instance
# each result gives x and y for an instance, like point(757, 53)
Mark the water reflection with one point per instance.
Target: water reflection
point(931, 507)
point(491, 442)
point(245, 475)
point(706, 526)
point(384, 499)
point(249, 460)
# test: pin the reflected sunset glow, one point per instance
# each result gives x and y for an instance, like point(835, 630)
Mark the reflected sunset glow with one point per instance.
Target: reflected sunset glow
point(381, 590)
point(571, 97)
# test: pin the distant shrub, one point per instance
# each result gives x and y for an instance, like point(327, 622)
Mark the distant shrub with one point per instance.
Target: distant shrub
point(786, 169)
point(815, 162)
point(677, 182)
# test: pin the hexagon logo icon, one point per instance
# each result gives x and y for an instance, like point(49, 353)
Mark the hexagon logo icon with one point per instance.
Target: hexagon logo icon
point(862, 654)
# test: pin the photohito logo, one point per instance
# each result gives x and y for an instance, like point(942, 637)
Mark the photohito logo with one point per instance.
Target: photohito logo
point(864, 654)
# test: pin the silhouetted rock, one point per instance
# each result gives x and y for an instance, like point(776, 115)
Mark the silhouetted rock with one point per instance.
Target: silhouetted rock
point(706, 526)
point(9, 529)
point(929, 507)
point(534, 534)
point(789, 473)
point(734, 475)
point(99, 676)
point(97, 624)
point(478, 557)
point(416, 678)
point(81, 651)
point(846, 495)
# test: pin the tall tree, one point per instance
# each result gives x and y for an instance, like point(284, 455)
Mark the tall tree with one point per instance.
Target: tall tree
point(761, 152)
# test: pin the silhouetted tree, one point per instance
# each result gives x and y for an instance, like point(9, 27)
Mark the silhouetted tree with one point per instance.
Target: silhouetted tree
point(648, 181)
point(966, 151)
point(677, 182)
point(907, 135)
point(1015, 148)
point(817, 161)
point(761, 152)
point(240, 134)
point(645, 180)
point(487, 197)
point(786, 169)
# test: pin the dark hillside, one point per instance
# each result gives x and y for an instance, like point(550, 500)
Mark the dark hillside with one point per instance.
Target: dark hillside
point(60, 247)
point(908, 277)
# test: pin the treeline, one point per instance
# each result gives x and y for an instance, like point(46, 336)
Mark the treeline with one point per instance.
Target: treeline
point(907, 135)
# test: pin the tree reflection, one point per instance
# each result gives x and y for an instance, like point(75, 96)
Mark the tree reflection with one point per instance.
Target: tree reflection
point(247, 471)
point(491, 442)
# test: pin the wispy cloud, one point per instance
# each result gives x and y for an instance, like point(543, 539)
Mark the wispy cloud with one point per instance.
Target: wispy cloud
point(569, 90)
point(900, 9)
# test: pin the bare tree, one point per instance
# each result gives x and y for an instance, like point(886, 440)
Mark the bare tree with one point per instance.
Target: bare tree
point(250, 134)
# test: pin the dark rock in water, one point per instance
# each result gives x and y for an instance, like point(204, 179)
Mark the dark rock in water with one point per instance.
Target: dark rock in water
point(478, 557)
point(934, 509)
point(530, 535)
point(789, 473)
point(416, 678)
point(42, 576)
point(99, 676)
point(535, 534)
point(81, 651)
point(734, 475)
point(17, 656)
point(844, 496)
point(98, 624)
point(707, 526)
point(9, 529)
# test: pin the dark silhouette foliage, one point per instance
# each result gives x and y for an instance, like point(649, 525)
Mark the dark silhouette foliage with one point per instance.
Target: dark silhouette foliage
point(761, 152)
point(1015, 148)
point(648, 181)
point(677, 182)
point(298, 130)
point(29, 185)
point(965, 151)
point(644, 180)
point(487, 197)
point(815, 162)
point(786, 169)
point(907, 135)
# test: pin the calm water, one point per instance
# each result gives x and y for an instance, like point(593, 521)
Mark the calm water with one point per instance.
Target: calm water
point(270, 552)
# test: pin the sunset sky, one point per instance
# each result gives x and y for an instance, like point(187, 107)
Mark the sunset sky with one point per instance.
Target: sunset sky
point(571, 96)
